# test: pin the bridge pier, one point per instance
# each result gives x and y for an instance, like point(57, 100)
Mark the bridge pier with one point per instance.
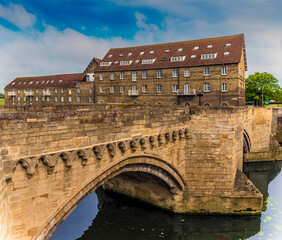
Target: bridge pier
point(190, 159)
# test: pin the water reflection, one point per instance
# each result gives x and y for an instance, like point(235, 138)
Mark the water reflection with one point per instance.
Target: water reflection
point(122, 219)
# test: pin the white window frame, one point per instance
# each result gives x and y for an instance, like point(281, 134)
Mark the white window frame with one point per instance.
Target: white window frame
point(78, 99)
point(209, 56)
point(174, 72)
point(177, 59)
point(148, 61)
point(144, 75)
point(159, 74)
point(62, 90)
point(127, 62)
point(134, 76)
point(121, 75)
point(186, 72)
point(159, 88)
point(112, 76)
point(104, 64)
point(144, 88)
point(112, 89)
point(224, 70)
point(174, 88)
point(70, 98)
point(56, 90)
point(56, 99)
point(101, 89)
point(207, 71)
point(62, 99)
point(101, 76)
point(36, 99)
point(78, 90)
point(207, 87)
point(90, 99)
point(224, 87)
point(186, 88)
point(122, 89)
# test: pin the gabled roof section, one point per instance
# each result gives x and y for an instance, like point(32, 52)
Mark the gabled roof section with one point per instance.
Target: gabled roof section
point(62, 80)
point(200, 52)
point(92, 65)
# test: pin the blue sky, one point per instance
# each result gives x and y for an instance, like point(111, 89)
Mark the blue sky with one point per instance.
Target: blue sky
point(62, 36)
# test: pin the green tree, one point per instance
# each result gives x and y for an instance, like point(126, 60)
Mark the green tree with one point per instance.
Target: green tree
point(1, 95)
point(267, 82)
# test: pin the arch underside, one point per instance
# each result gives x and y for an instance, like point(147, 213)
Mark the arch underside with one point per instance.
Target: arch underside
point(246, 142)
point(168, 176)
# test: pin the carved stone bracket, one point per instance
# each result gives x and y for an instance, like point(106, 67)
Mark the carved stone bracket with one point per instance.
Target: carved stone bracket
point(142, 142)
point(111, 149)
point(122, 147)
point(68, 158)
point(152, 142)
point(133, 145)
point(99, 151)
point(50, 161)
point(84, 155)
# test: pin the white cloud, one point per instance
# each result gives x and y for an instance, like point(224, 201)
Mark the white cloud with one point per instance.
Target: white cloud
point(50, 52)
point(17, 15)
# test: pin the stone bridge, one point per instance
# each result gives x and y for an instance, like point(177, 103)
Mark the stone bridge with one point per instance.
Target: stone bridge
point(188, 160)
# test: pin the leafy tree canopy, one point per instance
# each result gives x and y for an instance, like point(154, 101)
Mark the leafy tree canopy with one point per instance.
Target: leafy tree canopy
point(1, 95)
point(267, 82)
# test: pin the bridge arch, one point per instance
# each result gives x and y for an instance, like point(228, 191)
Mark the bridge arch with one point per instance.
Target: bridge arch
point(246, 142)
point(148, 164)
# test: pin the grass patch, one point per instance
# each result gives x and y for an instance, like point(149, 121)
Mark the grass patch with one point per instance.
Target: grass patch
point(2, 101)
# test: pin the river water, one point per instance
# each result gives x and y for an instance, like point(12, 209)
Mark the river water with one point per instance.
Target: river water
point(120, 218)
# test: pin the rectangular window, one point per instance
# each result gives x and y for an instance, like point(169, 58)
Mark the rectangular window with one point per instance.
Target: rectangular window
point(56, 90)
point(224, 87)
point(70, 99)
point(112, 76)
point(43, 99)
point(78, 90)
point(209, 56)
point(159, 88)
point(121, 89)
point(186, 88)
point(19, 91)
point(159, 74)
point(207, 87)
point(78, 99)
point(144, 88)
point(48, 98)
point(102, 64)
point(69, 91)
point(224, 70)
point(62, 99)
point(174, 88)
point(90, 99)
point(56, 99)
point(19, 99)
point(144, 75)
point(36, 91)
point(148, 61)
point(125, 62)
point(175, 73)
point(134, 76)
point(121, 76)
point(62, 90)
point(206, 71)
point(112, 89)
point(101, 76)
point(186, 72)
point(90, 90)
point(101, 89)
point(36, 98)
point(177, 59)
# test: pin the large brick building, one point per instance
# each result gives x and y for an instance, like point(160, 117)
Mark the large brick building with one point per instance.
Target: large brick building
point(53, 89)
point(175, 73)
point(167, 74)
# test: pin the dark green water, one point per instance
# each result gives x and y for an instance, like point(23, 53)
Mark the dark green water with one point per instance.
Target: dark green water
point(122, 219)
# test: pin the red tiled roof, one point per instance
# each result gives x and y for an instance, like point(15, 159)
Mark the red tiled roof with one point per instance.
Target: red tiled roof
point(218, 46)
point(62, 80)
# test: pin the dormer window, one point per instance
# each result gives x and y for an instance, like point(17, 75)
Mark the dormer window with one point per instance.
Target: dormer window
point(152, 51)
point(177, 59)
point(209, 46)
point(125, 62)
point(167, 50)
point(30, 82)
point(47, 82)
point(13, 83)
point(141, 53)
point(193, 56)
point(196, 48)
point(163, 59)
point(226, 53)
point(24, 83)
point(209, 56)
point(20, 83)
point(60, 80)
point(137, 61)
point(52, 81)
point(110, 55)
point(121, 54)
point(43, 82)
point(103, 64)
point(180, 49)
point(37, 82)
point(129, 54)
point(116, 62)
point(228, 44)
point(148, 61)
